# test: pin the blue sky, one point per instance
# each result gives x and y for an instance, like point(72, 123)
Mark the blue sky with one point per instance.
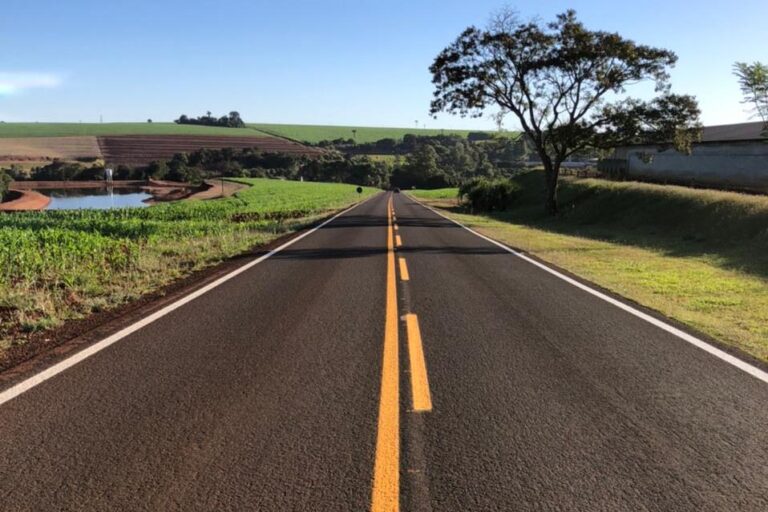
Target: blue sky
point(331, 62)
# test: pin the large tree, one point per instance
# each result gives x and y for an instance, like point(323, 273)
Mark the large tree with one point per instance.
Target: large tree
point(566, 85)
point(753, 80)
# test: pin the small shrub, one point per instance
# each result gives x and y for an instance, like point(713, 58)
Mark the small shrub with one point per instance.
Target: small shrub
point(489, 195)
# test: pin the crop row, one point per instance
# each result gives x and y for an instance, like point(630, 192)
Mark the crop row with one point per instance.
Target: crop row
point(58, 265)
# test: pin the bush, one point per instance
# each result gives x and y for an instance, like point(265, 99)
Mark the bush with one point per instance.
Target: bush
point(59, 170)
point(488, 195)
point(5, 180)
point(157, 169)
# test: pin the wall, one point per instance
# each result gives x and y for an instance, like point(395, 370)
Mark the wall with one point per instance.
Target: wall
point(733, 165)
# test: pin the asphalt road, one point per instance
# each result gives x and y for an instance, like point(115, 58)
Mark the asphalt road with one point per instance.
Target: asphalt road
point(322, 379)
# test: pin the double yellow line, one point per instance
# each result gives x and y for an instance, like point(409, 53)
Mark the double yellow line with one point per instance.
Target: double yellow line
point(386, 471)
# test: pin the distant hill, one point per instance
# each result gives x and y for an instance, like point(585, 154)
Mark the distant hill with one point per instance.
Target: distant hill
point(297, 132)
point(19, 130)
point(316, 133)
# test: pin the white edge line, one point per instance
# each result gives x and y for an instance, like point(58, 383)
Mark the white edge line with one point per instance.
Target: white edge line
point(39, 378)
point(693, 340)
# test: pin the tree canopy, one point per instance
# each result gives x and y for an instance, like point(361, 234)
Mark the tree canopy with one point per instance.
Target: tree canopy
point(753, 80)
point(566, 85)
point(232, 120)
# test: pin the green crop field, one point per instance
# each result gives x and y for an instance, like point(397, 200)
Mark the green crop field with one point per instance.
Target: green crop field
point(301, 133)
point(56, 265)
point(698, 256)
point(316, 133)
point(8, 130)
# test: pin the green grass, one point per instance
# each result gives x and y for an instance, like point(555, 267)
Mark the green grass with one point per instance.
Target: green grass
point(436, 193)
point(57, 265)
point(698, 256)
point(316, 133)
point(8, 130)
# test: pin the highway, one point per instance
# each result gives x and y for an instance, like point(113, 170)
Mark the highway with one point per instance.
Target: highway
point(389, 360)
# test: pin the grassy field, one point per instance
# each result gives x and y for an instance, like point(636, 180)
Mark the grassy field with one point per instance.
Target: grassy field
point(301, 133)
point(99, 129)
point(57, 265)
point(316, 133)
point(698, 256)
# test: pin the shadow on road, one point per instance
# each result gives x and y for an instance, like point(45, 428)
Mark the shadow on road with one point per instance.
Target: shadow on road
point(365, 252)
point(378, 221)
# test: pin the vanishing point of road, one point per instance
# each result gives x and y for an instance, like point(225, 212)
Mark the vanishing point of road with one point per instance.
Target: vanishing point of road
point(389, 360)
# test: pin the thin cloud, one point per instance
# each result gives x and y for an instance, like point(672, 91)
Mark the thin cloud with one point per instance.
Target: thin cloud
point(14, 83)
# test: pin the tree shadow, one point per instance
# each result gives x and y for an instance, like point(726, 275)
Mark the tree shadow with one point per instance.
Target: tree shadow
point(339, 253)
point(748, 256)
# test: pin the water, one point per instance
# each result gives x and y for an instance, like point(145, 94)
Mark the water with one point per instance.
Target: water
point(95, 198)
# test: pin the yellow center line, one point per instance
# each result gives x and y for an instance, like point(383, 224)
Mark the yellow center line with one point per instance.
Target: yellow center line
point(386, 470)
point(403, 270)
point(422, 399)
point(398, 241)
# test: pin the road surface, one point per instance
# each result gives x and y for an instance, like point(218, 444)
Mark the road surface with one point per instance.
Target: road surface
point(387, 361)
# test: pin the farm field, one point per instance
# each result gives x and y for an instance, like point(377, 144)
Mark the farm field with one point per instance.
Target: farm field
point(58, 265)
point(316, 133)
point(42, 148)
point(18, 130)
point(141, 150)
point(302, 133)
point(134, 149)
point(707, 269)
point(140, 143)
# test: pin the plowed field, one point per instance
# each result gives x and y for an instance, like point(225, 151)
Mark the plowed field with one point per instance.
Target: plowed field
point(48, 148)
point(140, 149)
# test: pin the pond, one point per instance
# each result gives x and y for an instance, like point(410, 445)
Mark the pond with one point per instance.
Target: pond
point(95, 198)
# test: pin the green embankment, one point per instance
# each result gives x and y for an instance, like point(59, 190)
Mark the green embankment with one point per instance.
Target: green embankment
point(56, 265)
point(316, 133)
point(8, 130)
point(698, 256)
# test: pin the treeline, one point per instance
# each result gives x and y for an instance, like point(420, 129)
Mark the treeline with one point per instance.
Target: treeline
point(208, 163)
point(445, 161)
point(509, 148)
point(431, 162)
point(57, 170)
point(442, 160)
point(233, 120)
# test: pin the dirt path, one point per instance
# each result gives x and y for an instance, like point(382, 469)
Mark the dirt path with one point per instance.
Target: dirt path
point(218, 189)
point(25, 200)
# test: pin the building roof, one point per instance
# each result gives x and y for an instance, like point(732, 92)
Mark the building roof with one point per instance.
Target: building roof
point(733, 132)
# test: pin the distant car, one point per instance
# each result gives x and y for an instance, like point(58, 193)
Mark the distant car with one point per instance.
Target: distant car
point(396, 190)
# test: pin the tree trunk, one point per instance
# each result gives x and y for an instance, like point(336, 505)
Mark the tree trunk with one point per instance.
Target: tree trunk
point(551, 173)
